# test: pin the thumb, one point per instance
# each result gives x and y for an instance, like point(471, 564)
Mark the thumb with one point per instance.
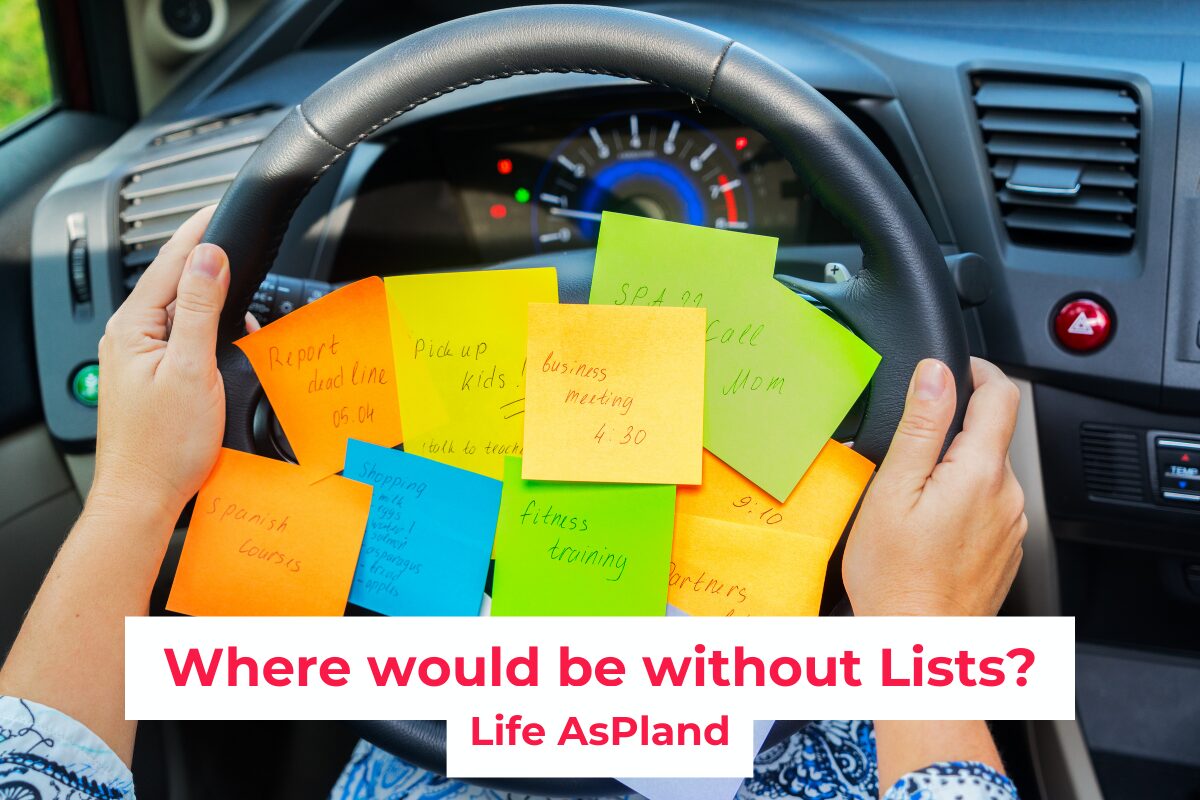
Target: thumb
point(917, 444)
point(198, 304)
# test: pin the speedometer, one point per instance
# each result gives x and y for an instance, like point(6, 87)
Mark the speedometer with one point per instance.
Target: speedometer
point(649, 164)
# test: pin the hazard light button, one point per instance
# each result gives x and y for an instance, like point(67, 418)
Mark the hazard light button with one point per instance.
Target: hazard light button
point(1083, 325)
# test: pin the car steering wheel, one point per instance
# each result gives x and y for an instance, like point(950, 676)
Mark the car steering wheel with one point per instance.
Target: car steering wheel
point(902, 302)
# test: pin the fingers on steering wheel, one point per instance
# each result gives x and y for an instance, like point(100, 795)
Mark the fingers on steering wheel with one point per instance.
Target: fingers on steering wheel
point(201, 297)
point(159, 284)
point(991, 414)
point(928, 411)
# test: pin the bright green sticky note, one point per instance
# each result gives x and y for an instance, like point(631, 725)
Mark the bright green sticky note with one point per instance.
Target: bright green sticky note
point(581, 549)
point(780, 374)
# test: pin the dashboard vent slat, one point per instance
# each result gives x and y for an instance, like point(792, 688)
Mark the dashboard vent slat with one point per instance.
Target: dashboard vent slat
point(1000, 93)
point(155, 201)
point(1070, 224)
point(1090, 126)
point(219, 167)
point(1064, 157)
point(1060, 150)
point(1085, 200)
point(1114, 462)
point(185, 200)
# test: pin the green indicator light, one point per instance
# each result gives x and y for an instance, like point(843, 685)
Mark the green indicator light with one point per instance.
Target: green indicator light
point(521, 195)
point(85, 386)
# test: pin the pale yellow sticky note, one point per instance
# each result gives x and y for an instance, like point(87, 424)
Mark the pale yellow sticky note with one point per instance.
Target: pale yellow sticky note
point(738, 551)
point(459, 342)
point(615, 394)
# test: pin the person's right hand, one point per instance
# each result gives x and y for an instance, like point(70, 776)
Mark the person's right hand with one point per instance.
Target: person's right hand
point(941, 539)
point(162, 399)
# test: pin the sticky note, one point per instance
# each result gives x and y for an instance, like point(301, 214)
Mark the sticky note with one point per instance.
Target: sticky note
point(697, 788)
point(739, 552)
point(429, 535)
point(327, 370)
point(720, 569)
point(615, 394)
point(459, 345)
point(581, 549)
point(780, 374)
point(266, 541)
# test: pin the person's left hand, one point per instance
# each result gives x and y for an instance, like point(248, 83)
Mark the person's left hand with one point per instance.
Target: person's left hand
point(162, 400)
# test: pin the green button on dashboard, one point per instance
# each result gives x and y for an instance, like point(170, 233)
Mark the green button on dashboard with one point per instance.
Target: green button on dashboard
point(85, 386)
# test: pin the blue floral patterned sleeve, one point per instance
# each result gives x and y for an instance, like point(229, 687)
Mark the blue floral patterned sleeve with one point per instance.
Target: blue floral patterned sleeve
point(828, 760)
point(45, 754)
point(953, 780)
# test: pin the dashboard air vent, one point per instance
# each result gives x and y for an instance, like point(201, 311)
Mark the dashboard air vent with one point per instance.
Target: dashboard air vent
point(158, 198)
point(1114, 462)
point(208, 126)
point(1064, 158)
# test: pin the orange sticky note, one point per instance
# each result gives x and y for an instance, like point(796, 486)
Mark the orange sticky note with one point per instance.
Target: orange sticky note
point(614, 394)
point(720, 569)
point(265, 541)
point(738, 551)
point(327, 369)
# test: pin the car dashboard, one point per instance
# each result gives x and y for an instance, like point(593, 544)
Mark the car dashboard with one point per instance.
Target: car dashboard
point(531, 177)
point(1057, 146)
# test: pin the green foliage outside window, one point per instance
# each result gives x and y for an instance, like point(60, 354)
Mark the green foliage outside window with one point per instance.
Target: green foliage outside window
point(25, 84)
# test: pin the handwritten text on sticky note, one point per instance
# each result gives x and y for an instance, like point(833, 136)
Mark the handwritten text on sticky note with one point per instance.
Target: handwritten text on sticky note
point(581, 549)
point(429, 535)
point(264, 542)
point(327, 370)
point(737, 551)
point(781, 374)
point(459, 342)
point(615, 394)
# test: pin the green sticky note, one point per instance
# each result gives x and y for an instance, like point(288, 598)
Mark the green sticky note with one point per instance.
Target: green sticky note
point(581, 549)
point(780, 374)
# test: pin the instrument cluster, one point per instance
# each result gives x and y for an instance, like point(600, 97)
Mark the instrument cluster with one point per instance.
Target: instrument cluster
point(481, 187)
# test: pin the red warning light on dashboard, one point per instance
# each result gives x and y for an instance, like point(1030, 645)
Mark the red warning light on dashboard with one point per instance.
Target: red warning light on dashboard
point(504, 166)
point(741, 143)
point(498, 211)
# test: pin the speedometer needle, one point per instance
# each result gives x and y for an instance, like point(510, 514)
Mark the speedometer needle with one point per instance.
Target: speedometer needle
point(573, 214)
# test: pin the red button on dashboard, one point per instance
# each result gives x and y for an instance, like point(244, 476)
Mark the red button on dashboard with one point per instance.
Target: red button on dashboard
point(1083, 325)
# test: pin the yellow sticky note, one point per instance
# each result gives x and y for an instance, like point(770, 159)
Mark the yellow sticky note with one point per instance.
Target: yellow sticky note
point(737, 551)
point(459, 342)
point(265, 541)
point(615, 394)
point(327, 370)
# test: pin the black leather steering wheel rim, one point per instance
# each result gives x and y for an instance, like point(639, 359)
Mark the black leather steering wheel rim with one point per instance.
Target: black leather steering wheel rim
point(902, 302)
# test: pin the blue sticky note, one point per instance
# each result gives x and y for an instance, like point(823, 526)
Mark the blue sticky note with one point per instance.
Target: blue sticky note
point(429, 534)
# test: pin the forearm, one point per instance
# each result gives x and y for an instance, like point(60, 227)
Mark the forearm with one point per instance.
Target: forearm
point(905, 746)
point(70, 652)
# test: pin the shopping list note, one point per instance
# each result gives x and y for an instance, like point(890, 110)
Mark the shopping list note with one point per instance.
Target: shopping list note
point(429, 535)
point(327, 370)
point(266, 541)
point(581, 549)
point(739, 552)
point(780, 374)
point(459, 345)
point(615, 394)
